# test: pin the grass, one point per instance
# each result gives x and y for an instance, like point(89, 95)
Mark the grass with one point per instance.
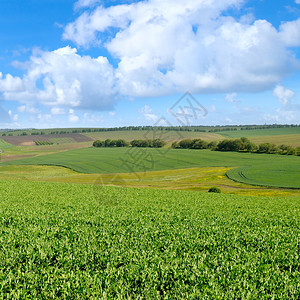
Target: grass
point(191, 179)
point(4, 145)
point(279, 171)
point(260, 132)
point(289, 139)
point(279, 174)
point(87, 242)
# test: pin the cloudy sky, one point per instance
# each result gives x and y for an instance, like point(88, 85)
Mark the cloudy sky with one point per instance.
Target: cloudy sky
point(98, 63)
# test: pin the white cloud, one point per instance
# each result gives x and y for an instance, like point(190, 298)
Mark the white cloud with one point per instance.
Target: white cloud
point(14, 117)
point(231, 98)
point(283, 94)
point(27, 109)
point(85, 3)
point(10, 83)
point(172, 46)
point(73, 118)
point(297, 1)
point(147, 112)
point(67, 79)
point(163, 47)
point(290, 33)
point(57, 111)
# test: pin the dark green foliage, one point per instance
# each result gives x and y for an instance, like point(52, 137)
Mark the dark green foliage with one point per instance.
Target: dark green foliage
point(214, 190)
point(268, 148)
point(43, 143)
point(156, 143)
point(212, 145)
point(175, 145)
point(110, 143)
point(60, 242)
point(286, 150)
point(242, 144)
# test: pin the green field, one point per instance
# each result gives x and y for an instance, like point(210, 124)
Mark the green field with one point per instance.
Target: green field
point(262, 169)
point(260, 132)
point(4, 145)
point(72, 241)
point(79, 222)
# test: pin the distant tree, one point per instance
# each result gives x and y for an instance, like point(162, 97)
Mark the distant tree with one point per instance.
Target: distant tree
point(158, 143)
point(214, 190)
point(199, 144)
point(186, 144)
point(121, 143)
point(212, 145)
point(107, 143)
point(175, 145)
point(98, 143)
point(287, 150)
point(268, 148)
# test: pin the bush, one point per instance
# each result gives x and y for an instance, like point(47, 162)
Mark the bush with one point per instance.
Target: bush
point(214, 190)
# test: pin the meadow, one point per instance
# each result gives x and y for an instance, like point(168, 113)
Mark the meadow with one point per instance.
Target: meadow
point(74, 241)
point(258, 169)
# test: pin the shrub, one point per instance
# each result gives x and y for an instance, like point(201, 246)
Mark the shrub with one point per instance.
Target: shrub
point(214, 190)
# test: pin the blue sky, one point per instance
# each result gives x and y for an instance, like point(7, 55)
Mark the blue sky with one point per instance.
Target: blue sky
point(97, 63)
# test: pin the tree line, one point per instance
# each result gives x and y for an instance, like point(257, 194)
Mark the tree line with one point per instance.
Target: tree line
point(237, 145)
point(217, 128)
point(156, 143)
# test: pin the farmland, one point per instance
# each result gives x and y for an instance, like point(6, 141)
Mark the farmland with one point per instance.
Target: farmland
point(79, 222)
point(28, 140)
point(270, 170)
point(70, 241)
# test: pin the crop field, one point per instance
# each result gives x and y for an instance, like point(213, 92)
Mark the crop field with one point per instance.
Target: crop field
point(28, 140)
point(289, 139)
point(81, 241)
point(79, 222)
point(265, 169)
point(260, 132)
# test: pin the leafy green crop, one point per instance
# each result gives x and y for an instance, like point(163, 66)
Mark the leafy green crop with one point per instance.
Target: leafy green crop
point(67, 241)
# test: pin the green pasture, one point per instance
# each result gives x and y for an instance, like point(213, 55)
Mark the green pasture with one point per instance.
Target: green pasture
point(265, 169)
point(280, 174)
point(72, 241)
point(4, 145)
point(260, 132)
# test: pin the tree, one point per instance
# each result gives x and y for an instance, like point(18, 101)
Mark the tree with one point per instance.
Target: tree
point(107, 143)
point(186, 144)
point(199, 144)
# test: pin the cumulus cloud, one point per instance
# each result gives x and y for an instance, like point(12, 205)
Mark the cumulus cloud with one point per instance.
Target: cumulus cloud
point(86, 3)
point(27, 109)
point(297, 1)
point(231, 98)
point(73, 118)
point(147, 112)
point(14, 117)
point(162, 47)
point(283, 94)
point(167, 46)
point(67, 79)
point(57, 111)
